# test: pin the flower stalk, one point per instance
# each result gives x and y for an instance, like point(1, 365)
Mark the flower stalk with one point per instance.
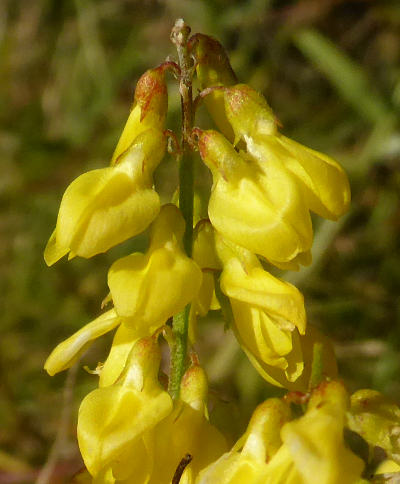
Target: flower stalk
point(180, 326)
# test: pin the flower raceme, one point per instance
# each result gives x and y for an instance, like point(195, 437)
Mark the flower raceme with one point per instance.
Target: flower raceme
point(130, 430)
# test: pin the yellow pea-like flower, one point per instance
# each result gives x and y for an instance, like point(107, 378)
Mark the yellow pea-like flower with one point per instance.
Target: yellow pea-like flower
point(268, 315)
point(186, 431)
point(248, 460)
point(154, 457)
point(261, 210)
point(114, 418)
point(149, 109)
point(313, 449)
point(214, 69)
point(67, 352)
point(278, 450)
point(269, 321)
point(104, 207)
point(323, 182)
point(377, 419)
point(150, 288)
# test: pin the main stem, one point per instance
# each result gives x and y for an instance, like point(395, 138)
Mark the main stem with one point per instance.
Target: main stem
point(180, 325)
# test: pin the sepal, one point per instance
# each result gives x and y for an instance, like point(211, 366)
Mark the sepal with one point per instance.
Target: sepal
point(214, 69)
point(149, 109)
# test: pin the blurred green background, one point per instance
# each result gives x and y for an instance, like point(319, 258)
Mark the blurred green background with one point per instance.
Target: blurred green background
point(331, 71)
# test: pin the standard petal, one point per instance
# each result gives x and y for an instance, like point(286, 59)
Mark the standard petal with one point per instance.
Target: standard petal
point(111, 418)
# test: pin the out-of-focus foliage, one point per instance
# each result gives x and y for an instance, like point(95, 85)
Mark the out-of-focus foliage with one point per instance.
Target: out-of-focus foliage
point(331, 72)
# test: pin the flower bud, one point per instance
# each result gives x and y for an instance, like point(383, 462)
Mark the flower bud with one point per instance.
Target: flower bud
point(261, 210)
point(149, 109)
point(213, 69)
point(248, 459)
point(104, 207)
point(187, 431)
point(248, 112)
point(150, 288)
point(194, 388)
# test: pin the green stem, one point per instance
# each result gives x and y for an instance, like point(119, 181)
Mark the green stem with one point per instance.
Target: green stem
point(317, 366)
point(180, 325)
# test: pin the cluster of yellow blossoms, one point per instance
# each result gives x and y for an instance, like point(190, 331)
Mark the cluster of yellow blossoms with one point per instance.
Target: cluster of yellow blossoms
point(130, 430)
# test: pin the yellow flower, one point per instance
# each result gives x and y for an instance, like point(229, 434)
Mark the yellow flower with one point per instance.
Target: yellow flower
point(113, 419)
point(153, 457)
point(186, 431)
point(269, 321)
point(150, 288)
point(104, 207)
point(213, 69)
point(247, 462)
point(261, 210)
point(313, 450)
point(377, 419)
point(268, 314)
point(67, 352)
point(149, 109)
point(323, 182)
point(277, 450)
